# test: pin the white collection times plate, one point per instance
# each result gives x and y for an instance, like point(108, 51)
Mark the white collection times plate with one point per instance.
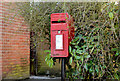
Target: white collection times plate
point(59, 42)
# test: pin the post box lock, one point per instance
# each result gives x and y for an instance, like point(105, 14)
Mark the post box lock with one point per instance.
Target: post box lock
point(61, 34)
point(58, 31)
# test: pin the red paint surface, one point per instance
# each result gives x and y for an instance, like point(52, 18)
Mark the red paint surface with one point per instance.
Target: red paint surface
point(66, 29)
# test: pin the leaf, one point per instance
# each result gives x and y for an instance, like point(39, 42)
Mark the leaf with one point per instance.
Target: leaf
point(111, 15)
point(78, 57)
point(51, 63)
point(82, 58)
point(73, 50)
point(97, 68)
point(79, 51)
point(116, 76)
point(90, 46)
point(84, 46)
point(76, 39)
point(104, 67)
point(92, 50)
point(46, 59)
point(117, 54)
point(58, 20)
point(77, 47)
point(70, 60)
point(86, 66)
point(114, 49)
point(41, 40)
point(66, 17)
point(77, 64)
point(47, 51)
point(48, 56)
point(81, 77)
point(32, 60)
point(70, 49)
point(73, 43)
point(90, 70)
point(88, 56)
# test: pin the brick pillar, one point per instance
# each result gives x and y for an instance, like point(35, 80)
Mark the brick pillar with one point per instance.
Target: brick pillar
point(0, 41)
point(15, 44)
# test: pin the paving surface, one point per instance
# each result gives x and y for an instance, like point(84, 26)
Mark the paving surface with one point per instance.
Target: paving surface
point(43, 78)
point(39, 78)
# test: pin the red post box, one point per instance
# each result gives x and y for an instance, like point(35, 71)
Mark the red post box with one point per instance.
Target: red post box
point(62, 32)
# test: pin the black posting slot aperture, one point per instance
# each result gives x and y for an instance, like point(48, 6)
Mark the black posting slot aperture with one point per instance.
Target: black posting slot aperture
point(58, 21)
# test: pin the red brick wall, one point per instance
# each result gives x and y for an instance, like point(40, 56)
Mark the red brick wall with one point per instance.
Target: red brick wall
point(15, 43)
point(0, 41)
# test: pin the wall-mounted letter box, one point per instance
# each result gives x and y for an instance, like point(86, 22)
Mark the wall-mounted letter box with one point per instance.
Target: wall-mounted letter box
point(62, 32)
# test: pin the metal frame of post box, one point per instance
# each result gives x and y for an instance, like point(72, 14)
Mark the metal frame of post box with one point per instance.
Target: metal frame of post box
point(64, 23)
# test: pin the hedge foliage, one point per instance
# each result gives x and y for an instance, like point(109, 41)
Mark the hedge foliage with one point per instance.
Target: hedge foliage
point(95, 49)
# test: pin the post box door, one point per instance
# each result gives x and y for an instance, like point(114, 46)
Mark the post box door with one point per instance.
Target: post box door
point(59, 43)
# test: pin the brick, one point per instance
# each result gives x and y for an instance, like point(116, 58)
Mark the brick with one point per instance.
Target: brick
point(0, 42)
point(15, 42)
